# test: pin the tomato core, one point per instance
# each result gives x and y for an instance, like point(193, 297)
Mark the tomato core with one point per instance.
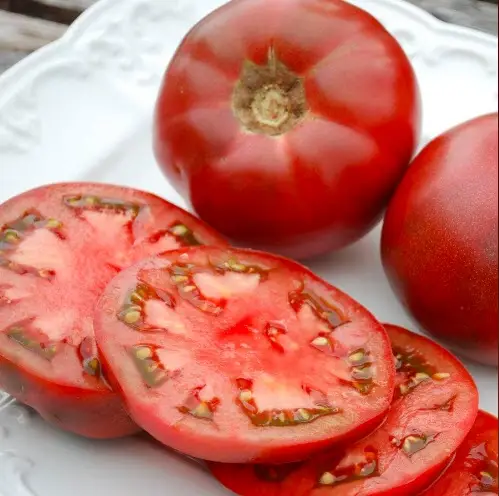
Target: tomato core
point(269, 99)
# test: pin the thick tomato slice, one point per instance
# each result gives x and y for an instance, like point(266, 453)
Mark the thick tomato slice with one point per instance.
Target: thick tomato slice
point(474, 469)
point(59, 247)
point(237, 356)
point(310, 106)
point(434, 407)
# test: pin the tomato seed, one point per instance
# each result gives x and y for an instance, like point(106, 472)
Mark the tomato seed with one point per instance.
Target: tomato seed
point(440, 376)
point(327, 479)
point(184, 235)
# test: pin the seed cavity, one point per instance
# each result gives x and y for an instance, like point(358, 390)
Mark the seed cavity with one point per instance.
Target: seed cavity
point(322, 309)
point(13, 233)
point(415, 370)
point(358, 471)
point(184, 235)
point(279, 417)
point(149, 365)
point(88, 356)
point(234, 265)
point(32, 339)
point(99, 204)
point(274, 331)
point(414, 443)
point(182, 276)
point(199, 408)
point(133, 312)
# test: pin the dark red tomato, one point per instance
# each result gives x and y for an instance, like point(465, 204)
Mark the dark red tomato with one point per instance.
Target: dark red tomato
point(288, 123)
point(237, 356)
point(433, 409)
point(474, 469)
point(440, 235)
point(59, 247)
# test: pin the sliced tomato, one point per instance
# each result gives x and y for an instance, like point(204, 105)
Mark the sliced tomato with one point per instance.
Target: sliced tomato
point(59, 247)
point(434, 407)
point(474, 469)
point(237, 356)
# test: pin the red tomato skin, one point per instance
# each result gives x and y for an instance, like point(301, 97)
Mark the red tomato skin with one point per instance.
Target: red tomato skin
point(99, 414)
point(323, 184)
point(440, 242)
point(458, 480)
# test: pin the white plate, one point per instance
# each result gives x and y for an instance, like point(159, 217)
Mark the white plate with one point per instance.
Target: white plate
point(80, 109)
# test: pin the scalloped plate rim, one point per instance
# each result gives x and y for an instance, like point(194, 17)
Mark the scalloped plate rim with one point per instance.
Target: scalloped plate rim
point(94, 11)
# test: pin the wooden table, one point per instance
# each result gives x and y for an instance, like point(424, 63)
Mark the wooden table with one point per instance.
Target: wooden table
point(26, 25)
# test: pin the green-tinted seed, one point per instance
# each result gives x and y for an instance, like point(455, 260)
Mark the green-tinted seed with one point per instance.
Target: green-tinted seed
point(327, 479)
point(132, 316)
point(92, 366)
point(303, 414)
point(364, 373)
point(421, 376)
point(179, 230)
point(143, 352)
point(202, 411)
point(440, 376)
point(412, 444)
point(357, 357)
point(53, 224)
point(179, 279)
point(11, 236)
point(246, 395)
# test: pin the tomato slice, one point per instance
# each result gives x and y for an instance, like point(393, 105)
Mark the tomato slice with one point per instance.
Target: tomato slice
point(59, 247)
point(474, 469)
point(243, 351)
point(434, 407)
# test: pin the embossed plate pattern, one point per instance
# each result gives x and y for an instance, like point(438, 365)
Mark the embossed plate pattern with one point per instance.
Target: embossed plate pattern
point(81, 108)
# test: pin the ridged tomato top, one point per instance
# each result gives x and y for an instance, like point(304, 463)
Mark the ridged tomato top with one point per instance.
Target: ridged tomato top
point(288, 100)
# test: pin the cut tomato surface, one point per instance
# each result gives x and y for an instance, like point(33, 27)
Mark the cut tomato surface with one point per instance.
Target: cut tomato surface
point(434, 407)
point(237, 355)
point(474, 469)
point(59, 247)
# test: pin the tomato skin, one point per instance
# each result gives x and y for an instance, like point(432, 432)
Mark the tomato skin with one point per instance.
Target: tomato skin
point(60, 391)
point(97, 414)
point(157, 407)
point(396, 472)
point(478, 453)
point(440, 244)
point(320, 185)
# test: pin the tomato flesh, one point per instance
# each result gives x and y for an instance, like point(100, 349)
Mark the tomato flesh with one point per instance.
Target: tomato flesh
point(441, 261)
point(434, 406)
point(311, 106)
point(474, 469)
point(59, 247)
point(244, 351)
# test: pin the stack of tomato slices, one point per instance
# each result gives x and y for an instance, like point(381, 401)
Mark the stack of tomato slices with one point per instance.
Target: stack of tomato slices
point(120, 311)
point(59, 247)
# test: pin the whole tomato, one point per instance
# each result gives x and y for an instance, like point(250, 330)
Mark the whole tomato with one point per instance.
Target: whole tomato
point(288, 123)
point(439, 243)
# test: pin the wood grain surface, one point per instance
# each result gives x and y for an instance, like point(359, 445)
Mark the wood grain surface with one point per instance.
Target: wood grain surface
point(26, 25)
